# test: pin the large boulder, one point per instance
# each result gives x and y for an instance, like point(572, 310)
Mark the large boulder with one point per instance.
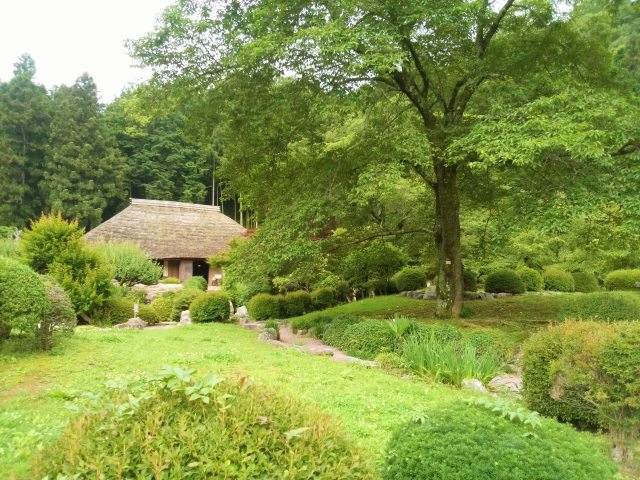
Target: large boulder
point(132, 323)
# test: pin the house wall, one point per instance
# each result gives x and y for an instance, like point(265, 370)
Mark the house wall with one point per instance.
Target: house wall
point(185, 270)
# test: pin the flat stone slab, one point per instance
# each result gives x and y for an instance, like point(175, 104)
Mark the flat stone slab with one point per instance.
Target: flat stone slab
point(132, 323)
point(507, 382)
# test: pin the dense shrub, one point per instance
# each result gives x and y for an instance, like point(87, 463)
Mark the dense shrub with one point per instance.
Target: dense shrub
point(587, 373)
point(365, 339)
point(313, 325)
point(622, 280)
point(344, 292)
point(585, 282)
point(607, 306)
point(531, 279)
point(503, 281)
point(23, 298)
point(265, 306)
point(296, 303)
point(196, 282)
point(60, 318)
point(334, 331)
point(456, 441)
point(182, 300)
point(371, 268)
point(129, 264)
point(470, 280)
point(204, 428)
point(390, 361)
point(115, 310)
point(170, 280)
point(163, 306)
point(210, 307)
point(410, 278)
point(148, 314)
point(496, 341)
point(323, 298)
point(558, 280)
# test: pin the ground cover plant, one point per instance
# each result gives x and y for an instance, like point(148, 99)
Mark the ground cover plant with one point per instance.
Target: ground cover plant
point(129, 264)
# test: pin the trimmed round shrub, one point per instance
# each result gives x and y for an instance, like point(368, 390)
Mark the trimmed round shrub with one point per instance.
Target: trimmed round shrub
point(410, 278)
point(182, 300)
point(170, 280)
point(558, 280)
point(622, 279)
point(531, 279)
point(203, 439)
point(602, 306)
point(503, 281)
point(60, 318)
point(323, 298)
point(456, 441)
point(470, 280)
point(365, 339)
point(210, 307)
point(115, 310)
point(23, 297)
point(296, 303)
point(196, 282)
point(163, 306)
point(585, 282)
point(334, 332)
point(264, 306)
point(148, 314)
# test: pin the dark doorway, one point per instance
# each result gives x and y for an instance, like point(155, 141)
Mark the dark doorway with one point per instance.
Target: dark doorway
point(201, 269)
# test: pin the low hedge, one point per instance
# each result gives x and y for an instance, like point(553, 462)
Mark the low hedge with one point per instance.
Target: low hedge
point(456, 441)
point(334, 332)
point(365, 339)
point(531, 279)
point(197, 282)
point(503, 281)
point(585, 282)
point(602, 306)
point(558, 280)
point(170, 280)
point(296, 303)
point(622, 279)
point(265, 306)
point(323, 298)
point(410, 278)
point(210, 307)
point(182, 300)
point(163, 306)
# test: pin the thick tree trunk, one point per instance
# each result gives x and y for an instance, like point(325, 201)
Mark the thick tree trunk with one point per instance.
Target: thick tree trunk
point(449, 286)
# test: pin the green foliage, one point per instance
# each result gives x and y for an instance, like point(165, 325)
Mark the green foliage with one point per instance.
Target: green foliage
point(335, 331)
point(296, 303)
point(369, 268)
point(622, 279)
point(410, 278)
point(313, 325)
point(323, 298)
point(586, 373)
point(503, 281)
point(586, 282)
point(8, 247)
point(129, 264)
point(264, 306)
point(558, 280)
point(23, 298)
point(210, 307)
point(273, 325)
point(196, 282)
point(363, 339)
point(390, 361)
point(470, 280)
point(283, 434)
point(531, 279)
point(602, 306)
point(115, 310)
point(487, 341)
point(170, 280)
point(60, 318)
point(472, 442)
point(148, 314)
point(163, 306)
point(399, 326)
point(182, 300)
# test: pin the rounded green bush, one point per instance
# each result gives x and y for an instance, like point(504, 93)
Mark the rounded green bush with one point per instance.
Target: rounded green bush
point(622, 279)
point(410, 278)
point(148, 314)
point(585, 282)
point(196, 282)
point(323, 298)
point(60, 318)
point(264, 306)
point(365, 339)
point(602, 306)
point(531, 279)
point(163, 306)
point(334, 332)
point(470, 280)
point(242, 431)
point(182, 300)
point(296, 303)
point(115, 310)
point(210, 307)
point(503, 281)
point(456, 441)
point(23, 297)
point(558, 280)
point(170, 280)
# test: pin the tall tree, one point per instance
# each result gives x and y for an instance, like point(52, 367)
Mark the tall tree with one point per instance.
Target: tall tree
point(84, 171)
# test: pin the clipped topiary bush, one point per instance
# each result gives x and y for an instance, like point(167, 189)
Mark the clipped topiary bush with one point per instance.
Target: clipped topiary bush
point(585, 282)
point(148, 314)
point(457, 441)
point(196, 282)
point(60, 318)
point(323, 298)
point(296, 303)
point(208, 428)
point(622, 279)
point(264, 306)
point(163, 306)
point(602, 306)
point(365, 339)
point(210, 307)
point(182, 300)
point(503, 281)
point(23, 298)
point(170, 280)
point(410, 278)
point(531, 279)
point(470, 280)
point(115, 310)
point(558, 280)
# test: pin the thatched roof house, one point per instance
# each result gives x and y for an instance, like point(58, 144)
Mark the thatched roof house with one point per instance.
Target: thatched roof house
point(179, 235)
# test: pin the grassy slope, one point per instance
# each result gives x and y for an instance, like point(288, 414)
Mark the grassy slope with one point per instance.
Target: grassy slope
point(36, 391)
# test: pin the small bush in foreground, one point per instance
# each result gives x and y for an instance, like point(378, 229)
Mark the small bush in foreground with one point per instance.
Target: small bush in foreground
point(531, 279)
point(585, 282)
point(163, 306)
point(203, 428)
point(323, 298)
point(197, 282)
point(622, 279)
point(182, 300)
point(148, 314)
point(410, 278)
point(503, 281)
point(264, 306)
point(115, 310)
point(210, 307)
point(558, 280)
point(456, 441)
point(296, 303)
point(602, 306)
point(60, 318)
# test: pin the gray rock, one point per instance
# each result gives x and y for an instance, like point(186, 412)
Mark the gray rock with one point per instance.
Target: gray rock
point(269, 334)
point(242, 313)
point(473, 384)
point(429, 296)
point(506, 382)
point(132, 323)
point(185, 318)
point(502, 295)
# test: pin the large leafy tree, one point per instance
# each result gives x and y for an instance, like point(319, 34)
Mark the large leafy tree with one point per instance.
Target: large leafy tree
point(511, 83)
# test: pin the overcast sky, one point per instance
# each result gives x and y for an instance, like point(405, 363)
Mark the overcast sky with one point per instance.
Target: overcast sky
point(69, 37)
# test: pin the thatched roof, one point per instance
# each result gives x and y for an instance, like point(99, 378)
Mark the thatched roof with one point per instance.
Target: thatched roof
point(170, 229)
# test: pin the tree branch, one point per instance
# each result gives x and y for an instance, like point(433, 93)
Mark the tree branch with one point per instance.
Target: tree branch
point(419, 67)
point(379, 235)
point(401, 81)
point(486, 39)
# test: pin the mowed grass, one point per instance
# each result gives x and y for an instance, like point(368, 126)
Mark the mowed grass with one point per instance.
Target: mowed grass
point(38, 392)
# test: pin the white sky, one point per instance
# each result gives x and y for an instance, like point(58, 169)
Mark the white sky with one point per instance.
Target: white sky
point(69, 37)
